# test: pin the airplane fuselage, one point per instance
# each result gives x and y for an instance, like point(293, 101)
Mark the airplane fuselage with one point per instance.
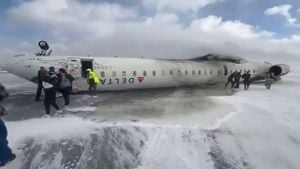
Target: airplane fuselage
point(135, 73)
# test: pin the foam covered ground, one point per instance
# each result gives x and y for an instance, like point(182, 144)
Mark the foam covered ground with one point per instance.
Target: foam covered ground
point(176, 129)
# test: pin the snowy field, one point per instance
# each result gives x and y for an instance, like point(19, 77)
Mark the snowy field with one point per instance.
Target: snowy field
point(195, 128)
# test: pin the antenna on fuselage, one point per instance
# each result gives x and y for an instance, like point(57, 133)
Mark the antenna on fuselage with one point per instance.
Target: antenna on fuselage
point(44, 48)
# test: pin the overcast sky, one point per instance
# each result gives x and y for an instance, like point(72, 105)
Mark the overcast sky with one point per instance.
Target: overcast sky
point(152, 28)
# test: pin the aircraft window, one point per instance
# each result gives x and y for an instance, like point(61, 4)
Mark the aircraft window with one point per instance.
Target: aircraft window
point(113, 73)
point(199, 72)
point(211, 72)
point(102, 74)
point(193, 72)
point(162, 72)
point(154, 73)
point(205, 72)
point(171, 72)
point(186, 72)
point(124, 73)
point(144, 73)
point(178, 72)
point(253, 70)
point(134, 73)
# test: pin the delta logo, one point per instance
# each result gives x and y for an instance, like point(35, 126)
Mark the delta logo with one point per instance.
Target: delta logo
point(141, 79)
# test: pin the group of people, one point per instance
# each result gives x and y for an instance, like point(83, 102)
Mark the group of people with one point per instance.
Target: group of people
point(6, 154)
point(235, 78)
point(51, 82)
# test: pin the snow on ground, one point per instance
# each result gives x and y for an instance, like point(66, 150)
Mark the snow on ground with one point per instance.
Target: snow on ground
point(81, 109)
point(266, 124)
point(46, 128)
point(258, 128)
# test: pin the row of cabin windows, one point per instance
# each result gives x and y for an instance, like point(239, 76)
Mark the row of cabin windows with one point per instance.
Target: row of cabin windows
point(163, 73)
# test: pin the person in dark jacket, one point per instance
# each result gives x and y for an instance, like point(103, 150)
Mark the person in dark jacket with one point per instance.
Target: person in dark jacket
point(41, 73)
point(65, 84)
point(50, 85)
point(51, 70)
point(237, 79)
point(246, 80)
point(6, 154)
point(231, 79)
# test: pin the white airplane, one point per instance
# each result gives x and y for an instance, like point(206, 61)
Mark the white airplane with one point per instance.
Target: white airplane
point(141, 73)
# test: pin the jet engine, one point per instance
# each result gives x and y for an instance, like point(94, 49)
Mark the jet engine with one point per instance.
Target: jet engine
point(279, 69)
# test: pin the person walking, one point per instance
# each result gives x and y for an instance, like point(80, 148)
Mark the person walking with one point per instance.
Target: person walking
point(231, 79)
point(50, 83)
point(92, 80)
point(41, 73)
point(237, 79)
point(51, 70)
point(6, 154)
point(65, 84)
point(246, 80)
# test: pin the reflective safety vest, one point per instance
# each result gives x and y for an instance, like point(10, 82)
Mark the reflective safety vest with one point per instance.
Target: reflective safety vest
point(92, 75)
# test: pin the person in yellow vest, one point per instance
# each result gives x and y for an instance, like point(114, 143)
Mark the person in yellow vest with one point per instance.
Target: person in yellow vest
point(92, 80)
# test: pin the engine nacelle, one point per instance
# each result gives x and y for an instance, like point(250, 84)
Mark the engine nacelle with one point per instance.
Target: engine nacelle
point(279, 69)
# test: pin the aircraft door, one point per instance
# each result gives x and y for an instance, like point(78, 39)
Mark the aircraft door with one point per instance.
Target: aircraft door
point(74, 67)
point(225, 70)
point(85, 64)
